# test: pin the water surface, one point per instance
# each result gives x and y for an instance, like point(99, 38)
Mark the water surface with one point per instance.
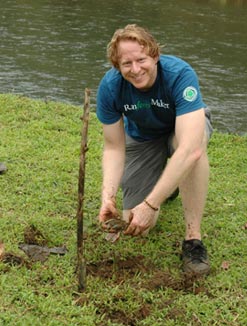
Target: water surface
point(54, 49)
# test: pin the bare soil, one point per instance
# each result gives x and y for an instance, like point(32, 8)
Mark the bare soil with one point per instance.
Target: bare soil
point(118, 271)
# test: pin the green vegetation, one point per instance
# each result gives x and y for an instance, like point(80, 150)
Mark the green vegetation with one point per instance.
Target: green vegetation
point(136, 281)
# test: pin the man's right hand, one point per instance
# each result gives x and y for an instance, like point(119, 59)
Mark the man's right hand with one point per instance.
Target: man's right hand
point(108, 210)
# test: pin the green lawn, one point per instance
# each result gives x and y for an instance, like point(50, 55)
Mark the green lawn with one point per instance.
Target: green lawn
point(136, 281)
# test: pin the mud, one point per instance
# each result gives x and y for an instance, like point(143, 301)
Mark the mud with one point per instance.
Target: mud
point(11, 259)
point(118, 267)
point(119, 270)
point(33, 236)
point(122, 270)
point(121, 317)
point(153, 279)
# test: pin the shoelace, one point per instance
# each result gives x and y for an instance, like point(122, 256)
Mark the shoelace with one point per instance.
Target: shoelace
point(196, 251)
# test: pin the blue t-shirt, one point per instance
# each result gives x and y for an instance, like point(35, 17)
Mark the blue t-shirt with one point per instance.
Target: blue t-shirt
point(150, 114)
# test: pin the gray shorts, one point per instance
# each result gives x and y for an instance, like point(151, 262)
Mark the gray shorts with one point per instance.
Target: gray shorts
point(145, 161)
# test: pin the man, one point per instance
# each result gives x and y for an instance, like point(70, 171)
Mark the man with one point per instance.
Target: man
point(151, 109)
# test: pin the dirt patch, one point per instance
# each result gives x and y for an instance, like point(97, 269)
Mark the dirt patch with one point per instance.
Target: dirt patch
point(119, 270)
point(33, 236)
point(10, 259)
point(115, 314)
point(186, 282)
point(121, 317)
point(14, 260)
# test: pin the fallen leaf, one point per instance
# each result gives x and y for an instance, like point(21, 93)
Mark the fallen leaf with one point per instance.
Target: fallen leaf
point(112, 237)
point(244, 227)
point(39, 253)
point(225, 265)
point(2, 250)
point(35, 252)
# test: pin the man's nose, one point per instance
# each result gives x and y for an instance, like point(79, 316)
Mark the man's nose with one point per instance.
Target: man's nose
point(135, 68)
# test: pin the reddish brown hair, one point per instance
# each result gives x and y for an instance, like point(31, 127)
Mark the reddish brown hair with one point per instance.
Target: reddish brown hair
point(134, 33)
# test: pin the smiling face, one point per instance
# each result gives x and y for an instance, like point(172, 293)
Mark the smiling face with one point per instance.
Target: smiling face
point(135, 65)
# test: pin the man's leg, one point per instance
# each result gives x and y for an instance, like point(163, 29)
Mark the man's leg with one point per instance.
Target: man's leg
point(145, 162)
point(194, 187)
point(193, 190)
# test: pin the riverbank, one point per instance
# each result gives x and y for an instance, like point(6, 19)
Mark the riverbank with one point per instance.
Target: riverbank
point(133, 282)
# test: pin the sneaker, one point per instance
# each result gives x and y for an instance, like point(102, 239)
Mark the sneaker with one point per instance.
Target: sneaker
point(194, 256)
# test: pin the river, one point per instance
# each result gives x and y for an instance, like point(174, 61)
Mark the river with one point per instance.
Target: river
point(54, 49)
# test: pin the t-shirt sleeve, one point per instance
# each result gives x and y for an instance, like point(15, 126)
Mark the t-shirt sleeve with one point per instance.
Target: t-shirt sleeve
point(186, 92)
point(106, 107)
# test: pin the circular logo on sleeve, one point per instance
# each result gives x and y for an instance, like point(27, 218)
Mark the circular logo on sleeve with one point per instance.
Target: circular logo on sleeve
point(190, 94)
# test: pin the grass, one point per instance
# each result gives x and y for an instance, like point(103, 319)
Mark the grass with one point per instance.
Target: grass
point(136, 281)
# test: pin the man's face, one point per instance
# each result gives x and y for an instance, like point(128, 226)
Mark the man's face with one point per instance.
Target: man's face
point(136, 66)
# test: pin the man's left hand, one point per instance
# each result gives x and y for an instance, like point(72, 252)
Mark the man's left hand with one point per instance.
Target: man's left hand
point(142, 218)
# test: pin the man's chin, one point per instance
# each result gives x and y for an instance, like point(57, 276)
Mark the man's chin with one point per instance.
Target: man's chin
point(140, 86)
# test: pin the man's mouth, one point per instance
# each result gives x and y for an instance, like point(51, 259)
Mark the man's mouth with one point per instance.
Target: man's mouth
point(138, 78)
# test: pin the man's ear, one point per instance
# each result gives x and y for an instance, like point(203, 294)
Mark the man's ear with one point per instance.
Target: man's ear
point(156, 59)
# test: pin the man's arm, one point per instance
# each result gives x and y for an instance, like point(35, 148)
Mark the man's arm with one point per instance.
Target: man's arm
point(189, 133)
point(113, 166)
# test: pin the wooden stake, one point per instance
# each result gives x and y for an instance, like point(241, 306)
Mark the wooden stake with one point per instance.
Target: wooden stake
point(81, 263)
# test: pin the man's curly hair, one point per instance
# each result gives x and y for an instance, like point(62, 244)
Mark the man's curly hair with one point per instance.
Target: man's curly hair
point(136, 33)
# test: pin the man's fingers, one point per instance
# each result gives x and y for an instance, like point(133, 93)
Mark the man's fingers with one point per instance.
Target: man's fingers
point(131, 217)
point(107, 215)
point(134, 230)
point(137, 231)
point(102, 218)
point(129, 230)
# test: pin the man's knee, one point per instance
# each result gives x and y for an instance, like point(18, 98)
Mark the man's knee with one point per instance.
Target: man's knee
point(173, 143)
